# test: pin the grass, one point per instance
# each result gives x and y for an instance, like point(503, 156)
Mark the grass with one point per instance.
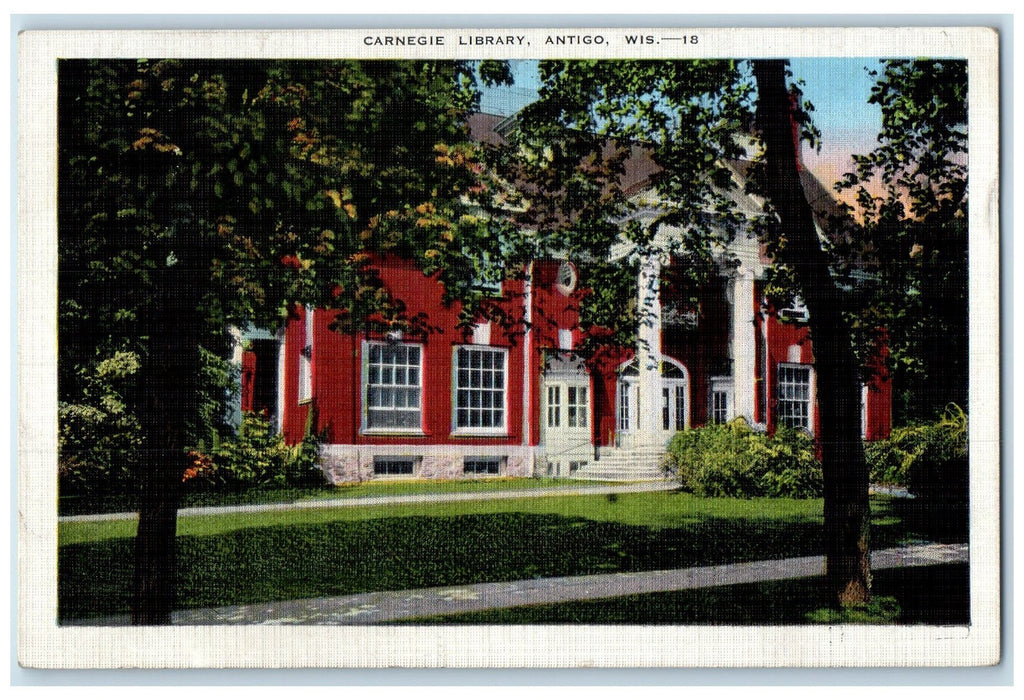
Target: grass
point(932, 595)
point(227, 560)
point(654, 510)
point(126, 502)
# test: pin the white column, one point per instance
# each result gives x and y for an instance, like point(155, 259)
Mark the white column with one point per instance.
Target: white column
point(744, 353)
point(527, 352)
point(282, 367)
point(648, 352)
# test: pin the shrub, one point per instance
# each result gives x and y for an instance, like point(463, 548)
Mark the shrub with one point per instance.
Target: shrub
point(735, 460)
point(940, 472)
point(258, 456)
point(930, 460)
point(99, 438)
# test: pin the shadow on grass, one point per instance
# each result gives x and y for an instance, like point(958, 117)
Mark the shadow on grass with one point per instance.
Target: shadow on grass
point(932, 595)
point(286, 562)
point(262, 564)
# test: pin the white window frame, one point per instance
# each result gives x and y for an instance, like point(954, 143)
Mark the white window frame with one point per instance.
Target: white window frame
point(396, 459)
point(369, 429)
point(501, 429)
point(554, 405)
point(779, 418)
point(306, 359)
point(720, 386)
point(498, 461)
point(565, 339)
point(577, 406)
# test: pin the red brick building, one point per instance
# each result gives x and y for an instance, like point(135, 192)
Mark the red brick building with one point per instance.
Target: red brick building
point(515, 399)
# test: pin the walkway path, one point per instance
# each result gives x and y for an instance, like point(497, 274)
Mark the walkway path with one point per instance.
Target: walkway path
point(370, 608)
point(581, 490)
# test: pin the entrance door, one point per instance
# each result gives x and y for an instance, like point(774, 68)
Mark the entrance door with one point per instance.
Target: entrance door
point(565, 423)
point(674, 410)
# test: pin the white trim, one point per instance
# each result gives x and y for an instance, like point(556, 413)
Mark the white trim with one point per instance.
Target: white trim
point(743, 339)
point(482, 333)
point(305, 374)
point(282, 377)
point(566, 278)
point(527, 353)
point(488, 431)
point(864, 411)
point(364, 426)
point(634, 398)
point(811, 392)
point(565, 339)
point(724, 386)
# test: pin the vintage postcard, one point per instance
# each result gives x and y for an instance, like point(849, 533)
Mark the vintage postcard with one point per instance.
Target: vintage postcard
point(569, 347)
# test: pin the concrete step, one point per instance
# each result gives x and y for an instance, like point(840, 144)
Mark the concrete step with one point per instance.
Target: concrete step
point(625, 464)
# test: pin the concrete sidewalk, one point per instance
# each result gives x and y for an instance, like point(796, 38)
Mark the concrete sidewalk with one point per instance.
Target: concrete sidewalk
point(371, 608)
point(358, 501)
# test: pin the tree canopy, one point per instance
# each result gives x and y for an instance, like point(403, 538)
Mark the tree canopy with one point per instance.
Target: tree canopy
point(910, 231)
point(194, 194)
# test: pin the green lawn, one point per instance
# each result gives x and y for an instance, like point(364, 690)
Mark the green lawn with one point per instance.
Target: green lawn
point(295, 554)
point(126, 503)
point(932, 595)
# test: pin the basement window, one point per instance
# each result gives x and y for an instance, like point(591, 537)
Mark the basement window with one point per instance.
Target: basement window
point(394, 466)
point(482, 466)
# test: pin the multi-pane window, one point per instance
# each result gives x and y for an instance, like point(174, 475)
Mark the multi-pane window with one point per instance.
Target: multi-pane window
point(394, 466)
point(719, 406)
point(576, 407)
point(680, 392)
point(393, 386)
point(624, 388)
point(479, 379)
point(795, 396)
point(673, 397)
point(554, 406)
point(482, 465)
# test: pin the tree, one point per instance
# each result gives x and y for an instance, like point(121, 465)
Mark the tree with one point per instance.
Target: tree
point(201, 193)
point(568, 159)
point(910, 231)
point(844, 469)
point(689, 118)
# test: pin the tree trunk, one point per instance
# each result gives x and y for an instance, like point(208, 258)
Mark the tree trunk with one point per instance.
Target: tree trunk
point(172, 369)
point(836, 368)
point(154, 584)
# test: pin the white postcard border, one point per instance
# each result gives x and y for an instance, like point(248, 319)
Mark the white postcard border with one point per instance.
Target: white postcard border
point(43, 644)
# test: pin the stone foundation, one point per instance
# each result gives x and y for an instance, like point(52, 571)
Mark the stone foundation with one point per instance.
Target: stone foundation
point(346, 464)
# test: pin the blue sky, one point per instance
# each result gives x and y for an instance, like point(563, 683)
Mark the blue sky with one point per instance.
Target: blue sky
point(838, 87)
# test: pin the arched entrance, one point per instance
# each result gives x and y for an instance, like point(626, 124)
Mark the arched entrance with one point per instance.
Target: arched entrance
point(674, 409)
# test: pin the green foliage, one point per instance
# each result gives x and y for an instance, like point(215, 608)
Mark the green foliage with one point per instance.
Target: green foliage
point(930, 459)
point(198, 194)
point(258, 456)
point(910, 233)
point(734, 460)
point(568, 155)
point(882, 610)
point(99, 438)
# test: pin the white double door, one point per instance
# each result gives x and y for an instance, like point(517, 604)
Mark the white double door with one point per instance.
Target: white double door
point(566, 418)
point(672, 412)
